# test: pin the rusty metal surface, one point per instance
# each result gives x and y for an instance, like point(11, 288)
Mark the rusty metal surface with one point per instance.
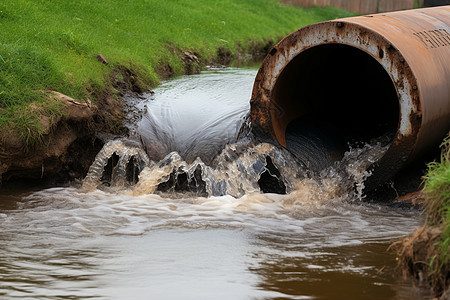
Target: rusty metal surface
point(413, 47)
point(358, 6)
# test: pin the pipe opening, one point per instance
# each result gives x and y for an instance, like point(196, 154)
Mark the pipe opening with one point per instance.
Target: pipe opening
point(331, 96)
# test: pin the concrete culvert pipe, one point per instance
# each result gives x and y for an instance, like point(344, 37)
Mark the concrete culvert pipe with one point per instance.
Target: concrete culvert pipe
point(352, 80)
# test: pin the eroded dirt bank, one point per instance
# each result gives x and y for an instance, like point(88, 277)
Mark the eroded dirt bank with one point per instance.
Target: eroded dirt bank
point(70, 141)
point(68, 144)
point(418, 255)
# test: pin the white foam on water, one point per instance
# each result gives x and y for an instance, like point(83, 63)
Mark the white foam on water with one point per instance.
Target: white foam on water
point(145, 242)
point(72, 212)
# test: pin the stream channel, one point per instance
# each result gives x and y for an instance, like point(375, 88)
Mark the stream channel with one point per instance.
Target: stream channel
point(183, 218)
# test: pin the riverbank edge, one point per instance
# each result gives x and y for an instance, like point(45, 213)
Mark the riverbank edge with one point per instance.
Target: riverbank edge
point(415, 254)
point(424, 254)
point(72, 137)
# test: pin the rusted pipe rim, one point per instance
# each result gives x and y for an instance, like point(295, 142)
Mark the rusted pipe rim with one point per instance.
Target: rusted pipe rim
point(343, 33)
point(302, 87)
point(266, 112)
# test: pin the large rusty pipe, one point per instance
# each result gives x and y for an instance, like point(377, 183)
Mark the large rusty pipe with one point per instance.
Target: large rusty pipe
point(363, 77)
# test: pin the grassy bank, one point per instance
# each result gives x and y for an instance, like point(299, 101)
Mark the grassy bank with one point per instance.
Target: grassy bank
point(437, 201)
point(425, 254)
point(437, 192)
point(53, 45)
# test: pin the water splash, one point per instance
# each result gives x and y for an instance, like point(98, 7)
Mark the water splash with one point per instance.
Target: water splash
point(117, 164)
point(343, 181)
point(240, 169)
point(188, 147)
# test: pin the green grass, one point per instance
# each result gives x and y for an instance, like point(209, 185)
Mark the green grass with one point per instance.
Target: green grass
point(437, 192)
point(52, 44)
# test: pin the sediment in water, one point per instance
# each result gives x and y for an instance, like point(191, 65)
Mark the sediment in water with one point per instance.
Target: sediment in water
point(242, 168)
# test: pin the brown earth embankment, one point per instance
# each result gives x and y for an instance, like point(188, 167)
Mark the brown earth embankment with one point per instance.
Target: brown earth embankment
point(70, 140)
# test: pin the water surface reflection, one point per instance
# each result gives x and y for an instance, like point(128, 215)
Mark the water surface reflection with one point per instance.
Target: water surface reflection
point(62, 243)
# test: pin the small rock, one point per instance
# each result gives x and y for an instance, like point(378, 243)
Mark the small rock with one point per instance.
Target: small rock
point(102, 59)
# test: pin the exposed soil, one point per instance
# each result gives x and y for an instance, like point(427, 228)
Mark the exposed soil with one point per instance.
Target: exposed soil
point(70, 142)
point(256, 51)
point(414, 253)
point(67, 145)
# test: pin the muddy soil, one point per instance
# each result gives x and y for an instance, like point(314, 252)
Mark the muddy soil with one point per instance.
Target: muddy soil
point(70, 142)
point(67, 146)
point(414, 253)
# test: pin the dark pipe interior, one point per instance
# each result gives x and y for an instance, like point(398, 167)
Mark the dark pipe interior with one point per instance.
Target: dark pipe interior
point(334, 95)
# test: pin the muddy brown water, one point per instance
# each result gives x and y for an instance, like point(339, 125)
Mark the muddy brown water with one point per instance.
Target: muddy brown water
point(124, 242)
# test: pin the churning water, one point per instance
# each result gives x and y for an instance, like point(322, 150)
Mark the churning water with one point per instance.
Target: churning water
point(183, 217)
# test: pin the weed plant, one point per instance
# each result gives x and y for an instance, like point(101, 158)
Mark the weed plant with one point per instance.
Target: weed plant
point(52, 44)
point(437, 192)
